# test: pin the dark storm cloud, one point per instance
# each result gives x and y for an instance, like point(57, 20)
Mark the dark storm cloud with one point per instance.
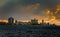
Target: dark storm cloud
point(8, 9)
point(44, 3)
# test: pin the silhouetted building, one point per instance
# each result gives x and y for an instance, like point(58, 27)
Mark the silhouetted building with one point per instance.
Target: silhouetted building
point(15, 21)
point(11, 20)
point(48, 23)
point(43, 22)
point(34, 21)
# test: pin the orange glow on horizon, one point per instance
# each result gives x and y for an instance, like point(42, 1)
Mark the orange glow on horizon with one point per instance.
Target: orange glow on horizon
point(39, 21)
point(23, 20)
point(4, 21)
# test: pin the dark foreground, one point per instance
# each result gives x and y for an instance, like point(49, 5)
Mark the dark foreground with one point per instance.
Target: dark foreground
point(29, 31)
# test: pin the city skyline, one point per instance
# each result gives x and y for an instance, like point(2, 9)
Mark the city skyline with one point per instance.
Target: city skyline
point(25, 10)
point(39, 21)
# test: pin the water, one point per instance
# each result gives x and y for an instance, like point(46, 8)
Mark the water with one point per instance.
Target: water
point(29, 31)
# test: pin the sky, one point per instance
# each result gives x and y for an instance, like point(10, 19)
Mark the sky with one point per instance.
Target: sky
point(48, 10)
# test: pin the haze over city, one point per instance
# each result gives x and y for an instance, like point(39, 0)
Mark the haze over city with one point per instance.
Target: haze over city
point(25, 10)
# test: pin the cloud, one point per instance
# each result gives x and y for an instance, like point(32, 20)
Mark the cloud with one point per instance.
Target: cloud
point(28, 8)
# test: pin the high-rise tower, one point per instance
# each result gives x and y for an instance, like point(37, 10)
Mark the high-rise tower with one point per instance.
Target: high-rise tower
point(11, 20)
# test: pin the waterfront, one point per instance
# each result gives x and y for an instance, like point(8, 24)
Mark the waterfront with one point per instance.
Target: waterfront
point(29, 31)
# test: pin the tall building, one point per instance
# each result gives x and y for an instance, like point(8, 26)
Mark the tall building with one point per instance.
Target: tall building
point(34, 21)
point(15, 21)
point(11, 20)
point(43, 22)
